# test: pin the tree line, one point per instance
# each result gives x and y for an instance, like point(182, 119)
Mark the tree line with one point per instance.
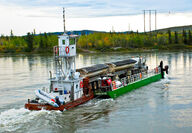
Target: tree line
point(98, 41)
point(29, 43)
point(153, 40)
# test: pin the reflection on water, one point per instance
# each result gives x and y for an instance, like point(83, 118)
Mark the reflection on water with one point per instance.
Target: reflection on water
point(164, 106)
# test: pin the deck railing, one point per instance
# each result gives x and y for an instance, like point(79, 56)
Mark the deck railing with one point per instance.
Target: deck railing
point(140, 76)
point(133, 78)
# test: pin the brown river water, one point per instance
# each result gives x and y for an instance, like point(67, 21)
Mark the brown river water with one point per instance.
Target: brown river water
point(161, 107)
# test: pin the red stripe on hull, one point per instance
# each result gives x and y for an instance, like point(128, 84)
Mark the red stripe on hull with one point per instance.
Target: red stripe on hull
point(36, 106)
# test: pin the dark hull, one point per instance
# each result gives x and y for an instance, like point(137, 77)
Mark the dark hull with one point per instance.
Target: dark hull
point(69, 105)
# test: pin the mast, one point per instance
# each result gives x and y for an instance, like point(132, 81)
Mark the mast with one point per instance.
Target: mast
point(64, 19)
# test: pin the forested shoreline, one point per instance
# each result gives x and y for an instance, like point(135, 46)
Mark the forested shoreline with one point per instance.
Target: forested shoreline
point(99, 42)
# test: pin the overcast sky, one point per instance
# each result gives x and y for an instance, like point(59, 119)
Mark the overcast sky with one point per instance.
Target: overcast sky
point(23, 16)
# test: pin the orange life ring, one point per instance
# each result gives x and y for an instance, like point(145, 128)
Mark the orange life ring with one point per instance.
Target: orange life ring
point(67, 49)
point(81, 84)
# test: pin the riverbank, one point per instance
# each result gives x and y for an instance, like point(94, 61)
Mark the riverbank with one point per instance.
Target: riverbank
point(111, 50)
point(172, 48)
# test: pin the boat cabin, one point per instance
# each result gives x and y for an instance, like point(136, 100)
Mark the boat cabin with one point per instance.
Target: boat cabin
point(67, 45)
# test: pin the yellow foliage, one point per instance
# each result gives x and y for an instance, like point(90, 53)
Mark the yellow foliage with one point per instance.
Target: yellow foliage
point(106, 41)
point(18, 50)
point(90, 44)
point(1, 49)
point(100, 43)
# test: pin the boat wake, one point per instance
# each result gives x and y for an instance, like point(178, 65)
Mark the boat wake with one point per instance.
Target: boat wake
point(16, 119)
point(165, 83)
point(97, 102)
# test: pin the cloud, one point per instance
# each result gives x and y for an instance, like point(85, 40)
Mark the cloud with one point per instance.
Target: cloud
point(46, 15)
point(99, 8)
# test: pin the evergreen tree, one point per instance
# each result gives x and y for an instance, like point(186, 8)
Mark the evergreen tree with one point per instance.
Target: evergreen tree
point(34, 32)
point(169, 36)
point(11, 33)
point(7, 38)
point(41, 43)
point(176, 38)
point(184, 37)
point(29, 40)
point(190, 38)
point(46, 40)
point(2, 36)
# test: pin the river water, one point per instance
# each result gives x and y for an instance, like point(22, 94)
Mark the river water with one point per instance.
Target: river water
point(163, 106)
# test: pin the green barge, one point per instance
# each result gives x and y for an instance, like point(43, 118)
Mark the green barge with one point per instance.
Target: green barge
point(114, 79)
point(132, 86)
point(129, 83)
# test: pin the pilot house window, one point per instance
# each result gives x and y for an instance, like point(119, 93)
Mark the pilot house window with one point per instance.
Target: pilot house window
point(63, 41)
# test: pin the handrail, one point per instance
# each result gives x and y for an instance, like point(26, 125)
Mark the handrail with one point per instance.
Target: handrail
point(143, 75)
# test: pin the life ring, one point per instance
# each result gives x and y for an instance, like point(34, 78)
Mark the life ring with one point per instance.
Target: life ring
point(81, 84)
point(140, 75)
point(67, 49)
point(56, 50)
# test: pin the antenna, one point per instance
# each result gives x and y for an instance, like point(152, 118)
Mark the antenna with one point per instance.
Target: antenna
point(64, 18)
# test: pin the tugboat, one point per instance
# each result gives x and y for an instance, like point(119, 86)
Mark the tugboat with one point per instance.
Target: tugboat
point(67, 89)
